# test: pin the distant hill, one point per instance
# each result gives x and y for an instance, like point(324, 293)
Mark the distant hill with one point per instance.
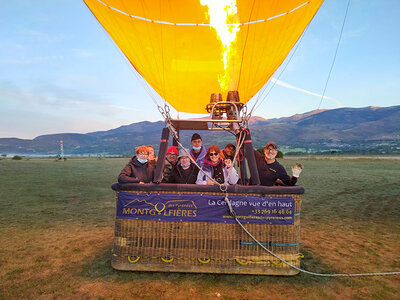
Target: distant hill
point(352, 130)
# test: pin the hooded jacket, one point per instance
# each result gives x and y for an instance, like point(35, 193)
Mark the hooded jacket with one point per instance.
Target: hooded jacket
point(135, 172)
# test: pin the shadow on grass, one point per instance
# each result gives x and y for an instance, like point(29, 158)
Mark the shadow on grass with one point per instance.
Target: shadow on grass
point(100, 268)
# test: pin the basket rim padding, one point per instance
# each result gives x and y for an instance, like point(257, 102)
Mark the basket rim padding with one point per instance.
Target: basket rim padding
point(233, 189)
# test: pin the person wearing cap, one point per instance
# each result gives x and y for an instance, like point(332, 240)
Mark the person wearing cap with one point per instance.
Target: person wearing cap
point(217, 169)
point(171, 158)
point(198, 152)
point(184, 172)
point(138, 170)
point(270, 171)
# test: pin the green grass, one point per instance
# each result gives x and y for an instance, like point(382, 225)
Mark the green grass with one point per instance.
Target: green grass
point(57, 217)
point(362, 189)
point(39, 192)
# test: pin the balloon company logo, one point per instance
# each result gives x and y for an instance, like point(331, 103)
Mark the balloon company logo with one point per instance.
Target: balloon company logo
point(171, 208)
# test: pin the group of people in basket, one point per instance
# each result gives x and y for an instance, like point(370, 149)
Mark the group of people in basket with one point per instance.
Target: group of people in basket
point(216, 165)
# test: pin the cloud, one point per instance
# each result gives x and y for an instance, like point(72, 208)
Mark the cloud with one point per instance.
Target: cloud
point(83, 53)
point(41, 36)
point(349, 34)
point(289, 86)
point(50, 109)
point(58, 98)
point(29, 61)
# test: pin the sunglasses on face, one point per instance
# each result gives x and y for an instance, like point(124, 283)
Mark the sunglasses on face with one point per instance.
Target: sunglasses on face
point(213, 154)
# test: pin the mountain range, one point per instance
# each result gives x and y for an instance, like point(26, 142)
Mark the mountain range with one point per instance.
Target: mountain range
point(345, 130)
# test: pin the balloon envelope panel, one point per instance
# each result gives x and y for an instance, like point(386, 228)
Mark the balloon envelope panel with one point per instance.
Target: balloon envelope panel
point(169, 44)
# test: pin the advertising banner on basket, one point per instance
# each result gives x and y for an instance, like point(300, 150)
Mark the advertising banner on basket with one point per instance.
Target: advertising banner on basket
point(205, 208)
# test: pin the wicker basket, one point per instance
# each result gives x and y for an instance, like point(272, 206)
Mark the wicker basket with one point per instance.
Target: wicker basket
point(207, 247)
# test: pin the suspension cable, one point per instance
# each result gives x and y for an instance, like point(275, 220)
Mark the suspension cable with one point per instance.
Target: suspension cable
point(245, 118)
point(223, 186)
point(224, 189)
point(334, 57)
point(279, 76)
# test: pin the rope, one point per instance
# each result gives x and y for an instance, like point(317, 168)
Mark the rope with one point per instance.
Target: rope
point(222, 186)
point(254, 108)
point(336, 51)
point(232, 212)
point(224, 189)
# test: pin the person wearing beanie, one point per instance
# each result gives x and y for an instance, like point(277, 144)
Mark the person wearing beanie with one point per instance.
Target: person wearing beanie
point(270, 171)
point(184, 171)
point(198, 152)
point(171, 158)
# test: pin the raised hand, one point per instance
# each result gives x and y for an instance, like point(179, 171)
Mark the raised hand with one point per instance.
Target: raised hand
point(296, 170)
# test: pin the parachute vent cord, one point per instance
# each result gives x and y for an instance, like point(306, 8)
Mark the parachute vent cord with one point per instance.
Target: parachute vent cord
point(334, 57)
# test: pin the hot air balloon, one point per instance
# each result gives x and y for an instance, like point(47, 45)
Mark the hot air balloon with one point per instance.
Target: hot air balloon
point(176, 49)
point(206, 56)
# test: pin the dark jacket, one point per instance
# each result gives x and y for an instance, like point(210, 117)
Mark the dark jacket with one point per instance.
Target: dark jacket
point(135, 172)
point(168, 167)
point(269, 173)
point(177, 176)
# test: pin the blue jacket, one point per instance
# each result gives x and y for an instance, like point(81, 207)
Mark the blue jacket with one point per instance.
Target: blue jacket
point(202, 156)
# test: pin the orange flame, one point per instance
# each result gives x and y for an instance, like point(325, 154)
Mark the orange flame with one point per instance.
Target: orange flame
point(220, 11)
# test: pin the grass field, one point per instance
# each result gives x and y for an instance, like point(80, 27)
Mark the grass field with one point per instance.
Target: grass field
point(56, 231)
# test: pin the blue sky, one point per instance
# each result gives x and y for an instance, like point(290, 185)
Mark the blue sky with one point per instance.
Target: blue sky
point(60, 72)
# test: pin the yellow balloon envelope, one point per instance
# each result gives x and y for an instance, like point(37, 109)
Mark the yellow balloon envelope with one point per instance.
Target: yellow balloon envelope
point(172, 45)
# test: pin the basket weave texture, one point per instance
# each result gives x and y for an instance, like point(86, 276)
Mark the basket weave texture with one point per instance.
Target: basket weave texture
point(205, 247)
